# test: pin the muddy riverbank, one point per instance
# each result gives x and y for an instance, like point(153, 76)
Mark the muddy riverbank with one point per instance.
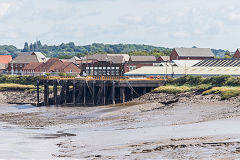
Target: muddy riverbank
point(24, 97)
point(154, 126)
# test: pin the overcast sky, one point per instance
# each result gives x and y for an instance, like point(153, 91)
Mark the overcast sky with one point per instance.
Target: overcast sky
point(167, 23)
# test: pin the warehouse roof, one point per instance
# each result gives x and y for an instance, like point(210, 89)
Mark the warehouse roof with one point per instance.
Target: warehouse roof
point(155, 70)
point(194, 52)
point(224, 62)
point(142, 58)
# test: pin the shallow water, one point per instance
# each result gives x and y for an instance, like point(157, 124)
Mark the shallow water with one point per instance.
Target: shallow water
point(27, 143)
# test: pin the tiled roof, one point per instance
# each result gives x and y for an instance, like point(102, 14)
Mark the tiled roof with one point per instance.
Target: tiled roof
point(99, 57)
point(165, 58)
point(105, 58)
point(125, 56)
point(65, 64)
point(32, 65)
point(28, 57)
point(5, 59)
point(194, 52)
point(49, 63)
point(143, 58)
point(115, 59)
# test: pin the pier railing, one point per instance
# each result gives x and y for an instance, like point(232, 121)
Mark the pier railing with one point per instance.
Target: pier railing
point(123, 78)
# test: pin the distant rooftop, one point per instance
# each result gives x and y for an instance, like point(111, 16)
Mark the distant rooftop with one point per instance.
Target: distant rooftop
point(194, 52)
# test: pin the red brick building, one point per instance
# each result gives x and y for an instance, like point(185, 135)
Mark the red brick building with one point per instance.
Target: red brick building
point(191, 54)
point(237, 53)
point(53, 65)
point(23, 59)
point(56, 65)
point(103, 65)
point(69, 67)
point(33, 67)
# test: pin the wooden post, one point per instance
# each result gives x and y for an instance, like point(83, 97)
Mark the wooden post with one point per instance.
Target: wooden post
point(80, 92)
point(93, 92)
point(144, 90)
point(131, 93)
point(122, 95)
point(113, 92)
point(38, 100)
point(84, 93)
point(74, 92)
point(46, 93)
point(55, 92)
point(66, 92)
point(104, 92)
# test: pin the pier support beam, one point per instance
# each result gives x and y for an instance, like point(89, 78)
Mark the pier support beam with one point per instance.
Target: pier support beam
point(93, 93)
point(38, 100)
point(144, 90)
point(74, 92)
point(113, 92)
point(122, 95)
point(55, 92)
point(104, 92)
point(46, 93)
point(131, 94)
point(84, 93)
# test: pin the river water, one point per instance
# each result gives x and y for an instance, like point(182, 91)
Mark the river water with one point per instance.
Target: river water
point(25, 143)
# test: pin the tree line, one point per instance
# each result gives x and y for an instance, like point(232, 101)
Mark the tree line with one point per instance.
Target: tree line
point(67, 50)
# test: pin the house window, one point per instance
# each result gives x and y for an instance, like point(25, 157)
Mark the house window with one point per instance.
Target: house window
point(71, 71)
point(104, 72)
point(113, 72)
point(132, 68)
point(117, 72)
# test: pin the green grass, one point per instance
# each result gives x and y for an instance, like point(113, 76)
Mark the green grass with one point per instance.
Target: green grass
point(13, 86)
point(226, 92)
point(172, 89)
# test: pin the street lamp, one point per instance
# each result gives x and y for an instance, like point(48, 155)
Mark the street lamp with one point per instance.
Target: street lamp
point(166, 69)
point(12, 70)
point(186, 66)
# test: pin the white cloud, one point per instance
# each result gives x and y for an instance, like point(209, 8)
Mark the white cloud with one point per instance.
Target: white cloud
point(133, 19)
point(157, 22)
point(235, 16)
point(163, 20)
point(4, 8)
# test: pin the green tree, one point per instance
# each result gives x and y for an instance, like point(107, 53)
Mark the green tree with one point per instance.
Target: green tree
point(227, 55)
point(26, 47)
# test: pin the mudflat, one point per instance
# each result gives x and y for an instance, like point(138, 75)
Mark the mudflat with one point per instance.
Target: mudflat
point(147, 128)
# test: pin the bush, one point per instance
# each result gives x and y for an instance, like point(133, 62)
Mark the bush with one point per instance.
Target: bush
point(47, 74)
point(217, 80)
point(225, 92)
point(30, 80)
point(172, 89)
point(62, 74)
point(203, 87)
point(186, 80)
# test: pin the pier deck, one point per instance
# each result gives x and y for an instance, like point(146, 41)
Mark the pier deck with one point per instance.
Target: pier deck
point(94, 91)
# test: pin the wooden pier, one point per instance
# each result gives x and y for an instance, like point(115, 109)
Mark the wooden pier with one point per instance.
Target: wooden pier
point(93, 92)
